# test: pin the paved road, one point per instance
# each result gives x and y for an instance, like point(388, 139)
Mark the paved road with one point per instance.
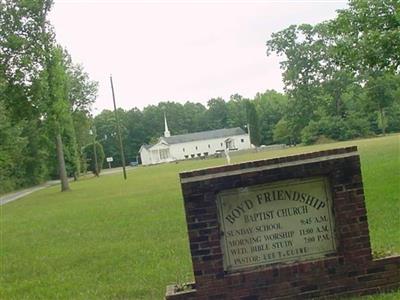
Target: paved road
point(22, 193)
point(112, 171)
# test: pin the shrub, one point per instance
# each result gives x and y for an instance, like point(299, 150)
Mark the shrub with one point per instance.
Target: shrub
point(336, 128)
point(89, 154)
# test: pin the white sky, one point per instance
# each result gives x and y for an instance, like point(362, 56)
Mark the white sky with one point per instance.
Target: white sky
point(179, 50)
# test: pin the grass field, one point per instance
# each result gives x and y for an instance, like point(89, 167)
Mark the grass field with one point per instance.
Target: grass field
point(115, 239)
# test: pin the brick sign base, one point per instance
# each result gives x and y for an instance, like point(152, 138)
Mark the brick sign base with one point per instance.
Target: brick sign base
point(349, 270)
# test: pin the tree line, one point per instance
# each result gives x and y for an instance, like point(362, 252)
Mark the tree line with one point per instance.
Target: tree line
point(147, 125)
point(45, 100)
point(341, 82)
point(342, 75)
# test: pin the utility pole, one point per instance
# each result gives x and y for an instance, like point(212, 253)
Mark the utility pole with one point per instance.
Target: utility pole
point(121, 147)
point(247, 104)
point(248, 131)
point(96, 164)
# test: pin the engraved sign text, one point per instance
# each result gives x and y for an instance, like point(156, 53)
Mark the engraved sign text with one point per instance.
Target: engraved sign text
point(282, 222)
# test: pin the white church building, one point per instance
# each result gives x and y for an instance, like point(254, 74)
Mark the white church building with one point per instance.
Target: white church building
point(199, 144)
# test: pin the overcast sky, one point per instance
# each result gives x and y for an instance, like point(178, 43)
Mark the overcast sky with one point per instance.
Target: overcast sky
point(179, 50)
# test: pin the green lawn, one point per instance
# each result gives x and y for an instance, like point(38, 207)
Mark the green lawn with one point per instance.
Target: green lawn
point(115, 239)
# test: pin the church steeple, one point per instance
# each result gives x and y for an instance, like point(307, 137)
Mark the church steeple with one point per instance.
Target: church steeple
point(166, 132)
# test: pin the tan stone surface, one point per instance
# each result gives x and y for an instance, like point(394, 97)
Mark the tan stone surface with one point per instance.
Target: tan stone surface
point(286, 221)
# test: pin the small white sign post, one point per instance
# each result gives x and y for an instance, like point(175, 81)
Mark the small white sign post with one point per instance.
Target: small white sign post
point(109, 160)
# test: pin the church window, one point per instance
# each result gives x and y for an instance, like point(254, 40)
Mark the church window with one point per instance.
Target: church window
point(209, 146)
point(242, 140)
point(183, 149)
point(222, 144)
point(196, 147)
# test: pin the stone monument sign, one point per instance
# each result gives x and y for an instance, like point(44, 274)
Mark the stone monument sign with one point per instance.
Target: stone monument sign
point(291, 227)
point(287, 221)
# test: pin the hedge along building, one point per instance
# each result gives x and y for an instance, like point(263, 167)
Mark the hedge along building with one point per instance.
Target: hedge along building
point(199, 144)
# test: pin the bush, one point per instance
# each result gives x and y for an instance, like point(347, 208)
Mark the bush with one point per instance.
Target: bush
point(335, 128)
point(281, 132)
point(393, 118)
point(310, 133)
point(89, 155)
point(356, 126)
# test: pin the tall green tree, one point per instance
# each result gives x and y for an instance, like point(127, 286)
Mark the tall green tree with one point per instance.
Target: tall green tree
point(236, 107)
point(282, 133)
point(253, 123)
point(217, 114)
point(58, 110)
point(105, 125)
point(135, 133)
point(24, 32)
point(365, 36)
point(382, 93)
point(303, 53)
point(40, 89)
point(12, 145)
point(322, 64)
point(93, 157)
point(195, 116)
point(82, 92)
point(271, 107)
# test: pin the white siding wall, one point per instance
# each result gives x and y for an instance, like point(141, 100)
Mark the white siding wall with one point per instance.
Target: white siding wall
point(145, 156)
point(209, 146)
point(156, 157)
point(177, 152)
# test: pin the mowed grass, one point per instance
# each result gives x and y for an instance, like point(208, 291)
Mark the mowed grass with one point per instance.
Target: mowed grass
point(115, 239)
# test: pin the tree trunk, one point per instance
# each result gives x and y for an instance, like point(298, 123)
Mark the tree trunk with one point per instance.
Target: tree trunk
point(383, 120)
point(96, 165)
point(61, 164)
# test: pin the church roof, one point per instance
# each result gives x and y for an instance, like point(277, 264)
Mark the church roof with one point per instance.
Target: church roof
point(145, 146)
point(204, 135)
